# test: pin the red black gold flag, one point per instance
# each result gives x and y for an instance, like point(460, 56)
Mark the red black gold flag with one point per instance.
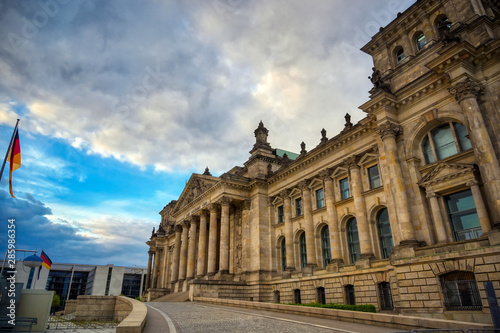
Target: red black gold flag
point(47, 263)
point(14, 158)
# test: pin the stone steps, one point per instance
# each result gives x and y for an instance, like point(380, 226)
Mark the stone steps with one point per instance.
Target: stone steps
point(174, 297)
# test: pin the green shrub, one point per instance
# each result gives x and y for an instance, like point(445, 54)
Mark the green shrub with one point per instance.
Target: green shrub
point(56, 300)
point(361, 307)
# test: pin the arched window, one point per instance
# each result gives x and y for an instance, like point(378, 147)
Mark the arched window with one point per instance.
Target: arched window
point(460, 291)
point(384, 291)
point(444, 141)
point(325, 245)
point(463, 215)
point(384, 233)
point(349, 295)
point(303, 251)
point(442, 22)
point(321, 295)
point(296, 296)
point(353, 240)
point(420, 41)
point(400, 55)
point(283, 254)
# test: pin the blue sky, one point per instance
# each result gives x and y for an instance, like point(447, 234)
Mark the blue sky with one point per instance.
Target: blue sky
point(121, 101)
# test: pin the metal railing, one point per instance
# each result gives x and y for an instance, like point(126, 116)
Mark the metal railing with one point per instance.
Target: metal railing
point(83, 322)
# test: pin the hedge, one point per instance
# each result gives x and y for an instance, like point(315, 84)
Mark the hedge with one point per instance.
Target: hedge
point(361, 307)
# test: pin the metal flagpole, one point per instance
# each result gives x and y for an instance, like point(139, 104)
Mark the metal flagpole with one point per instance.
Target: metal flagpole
point(8, 149)
point(70, 281)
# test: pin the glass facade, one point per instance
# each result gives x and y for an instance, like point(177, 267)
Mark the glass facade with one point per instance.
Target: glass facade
point(59, 281)
point(131, 285)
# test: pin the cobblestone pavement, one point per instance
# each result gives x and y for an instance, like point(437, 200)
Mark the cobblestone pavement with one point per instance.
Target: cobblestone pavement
point(190, 317)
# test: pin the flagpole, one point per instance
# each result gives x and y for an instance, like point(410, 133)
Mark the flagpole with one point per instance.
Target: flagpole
point(8, 149)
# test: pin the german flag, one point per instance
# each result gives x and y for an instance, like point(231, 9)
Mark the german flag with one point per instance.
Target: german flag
point(47, 263)
point(14, 158)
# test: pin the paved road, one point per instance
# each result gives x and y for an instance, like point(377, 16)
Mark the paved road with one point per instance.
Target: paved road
point(190, 317)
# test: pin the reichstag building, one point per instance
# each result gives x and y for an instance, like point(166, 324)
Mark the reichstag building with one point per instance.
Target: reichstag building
point(400, 210)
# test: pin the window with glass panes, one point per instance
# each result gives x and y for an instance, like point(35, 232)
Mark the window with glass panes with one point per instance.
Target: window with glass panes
point(303, 251)
point(353, 240)
point(325, 246)
point(445, 141)
point(420, 41)
point(344, 188)
point(283, 254)
point(320, 198)
point(374, 176)
point(298, 206)
point(463, 215)
point(281, 214)
point(384, 233)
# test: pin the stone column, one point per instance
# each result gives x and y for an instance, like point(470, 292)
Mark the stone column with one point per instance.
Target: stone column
point(388, 132)
point(331, 210)
point(148, 274)
point(310, 239)
point(191, 249)
point(184, 250)
point(245, 235)
point(287, 214)
point(177, 251)
point(224, 236)
point(202, 245)
point(482, 213)
point(360, 207)
point(466, 93)
point(437, 217)
point(156, 267)
point(212, 240)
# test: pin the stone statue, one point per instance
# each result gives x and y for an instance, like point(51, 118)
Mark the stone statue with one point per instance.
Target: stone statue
point(445, 34)
point(378, 82)
point(348, 123)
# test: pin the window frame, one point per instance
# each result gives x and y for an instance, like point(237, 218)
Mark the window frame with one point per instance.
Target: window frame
point(303, 250)
point(468, 233)
point(455, 287)
point(385, 296)
point(385, 250)
point(343, 191)
point(325, 245)
point(400, 55)
point(351, 244)
point(349, 294)
point(320, 199)
point(283, 253)
point(299, 211)
point(418, 43)
point(462, 143)
point(281, 214)
point(371, 180)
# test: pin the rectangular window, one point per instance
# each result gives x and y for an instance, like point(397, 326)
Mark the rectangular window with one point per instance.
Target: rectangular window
point(298, 206)
point(463, 215)
point(344, 189)
point(281, 215)
point(374, 176)
point(320, 199)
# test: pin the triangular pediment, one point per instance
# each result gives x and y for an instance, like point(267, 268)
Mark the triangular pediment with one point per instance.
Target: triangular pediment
point(196, 186)
point(445, 171)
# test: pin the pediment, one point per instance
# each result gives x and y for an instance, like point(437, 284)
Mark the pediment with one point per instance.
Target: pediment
point(445, 171)
point(196, 186)
point(367, 158)
point(315, 183)
point(277, 201)
point(339, 171)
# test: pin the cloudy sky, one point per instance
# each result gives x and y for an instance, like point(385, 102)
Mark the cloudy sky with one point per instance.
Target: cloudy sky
point(120, 101)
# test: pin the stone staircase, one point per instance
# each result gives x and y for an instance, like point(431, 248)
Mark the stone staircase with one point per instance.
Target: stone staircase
point(175, 297)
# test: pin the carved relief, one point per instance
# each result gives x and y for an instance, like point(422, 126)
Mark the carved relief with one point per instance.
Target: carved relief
point(465, 89)
point(238, 242)
point(388, 129)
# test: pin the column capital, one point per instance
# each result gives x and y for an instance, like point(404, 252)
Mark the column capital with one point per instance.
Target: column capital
point(246, 204)
point(213, 207)
point(284, 194)
point(388, 129)
point(431, 194)
point(150, 252)
point(225, 201)
point(467, 88)
point(186, 223)
point(178, 228)
point(351, 162)
point(326, 174)
point(304, 185)
point(472, 182)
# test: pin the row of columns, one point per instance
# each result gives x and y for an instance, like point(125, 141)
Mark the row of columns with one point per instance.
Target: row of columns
point(187, 238)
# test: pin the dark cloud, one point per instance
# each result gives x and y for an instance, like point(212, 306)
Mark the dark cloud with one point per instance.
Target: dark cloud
point(64, 240)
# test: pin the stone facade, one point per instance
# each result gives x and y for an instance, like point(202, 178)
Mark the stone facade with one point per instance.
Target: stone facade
point(400, 210)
